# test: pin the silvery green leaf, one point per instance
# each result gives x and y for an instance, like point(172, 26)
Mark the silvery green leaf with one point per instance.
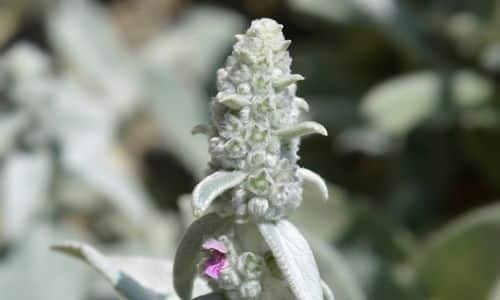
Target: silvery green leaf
point(398, 105)
point(25, 183)
point(83, 34)
point(136, 278)
point(464, 245)
point(32, 271)
point(213, 186)
point(294, 258)
point(189, 250)
point(301, 129)
point(314, 180)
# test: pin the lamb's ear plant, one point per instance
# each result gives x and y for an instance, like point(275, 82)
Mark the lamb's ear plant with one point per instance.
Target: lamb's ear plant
point(242, 244)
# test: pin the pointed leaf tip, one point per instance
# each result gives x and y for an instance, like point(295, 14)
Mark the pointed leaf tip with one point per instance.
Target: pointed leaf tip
point(327, 292)
point(316, 181)
point(213, 186)
point(201, 129)
point(233, 101)
point(302, 129)
point(283, 82)
point(301, 103)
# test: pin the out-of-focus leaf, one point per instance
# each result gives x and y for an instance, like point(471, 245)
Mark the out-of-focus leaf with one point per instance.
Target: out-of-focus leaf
point(490, 58)
point(188, 253)
point(136, 278)
point(112, 179)
point(190, 48)
point(365, 140)
point(84, 36)
point(177, 107)
point(213, 186)
point(294, 258)
point(177, 65)
point(86, 131)
point(398, 105)
point(338, 11)
point(314, 211)
point(25, 183)
point(335, 271)
point(10, 125)
point(31, 271)
point(469, 246)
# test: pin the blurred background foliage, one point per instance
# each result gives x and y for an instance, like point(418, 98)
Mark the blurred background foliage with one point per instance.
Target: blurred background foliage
point(97, 100)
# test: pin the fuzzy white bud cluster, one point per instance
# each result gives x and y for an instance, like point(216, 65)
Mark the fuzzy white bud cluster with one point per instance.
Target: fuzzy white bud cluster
point(256, 102)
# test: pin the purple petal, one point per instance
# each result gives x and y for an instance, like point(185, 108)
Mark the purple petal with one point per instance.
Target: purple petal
point(213, 270)
point(213, 244)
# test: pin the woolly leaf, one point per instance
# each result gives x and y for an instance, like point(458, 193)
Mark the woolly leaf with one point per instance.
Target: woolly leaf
point(301, 129)
point(213, 186)
point(136, 278)
point(294, 258)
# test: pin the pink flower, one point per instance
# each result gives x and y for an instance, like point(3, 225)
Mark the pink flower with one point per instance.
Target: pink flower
point(217, 259)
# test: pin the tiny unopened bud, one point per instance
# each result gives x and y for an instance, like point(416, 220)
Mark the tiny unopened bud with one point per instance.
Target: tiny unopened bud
point(257, 207)
point(250, 265)
point(250, 289)
point(229, 279)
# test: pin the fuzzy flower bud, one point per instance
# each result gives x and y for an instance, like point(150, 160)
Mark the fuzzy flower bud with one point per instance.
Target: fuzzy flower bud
point(255, 121)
